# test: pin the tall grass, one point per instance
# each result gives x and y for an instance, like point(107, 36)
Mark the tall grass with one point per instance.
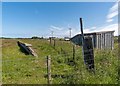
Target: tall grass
point(25, 69)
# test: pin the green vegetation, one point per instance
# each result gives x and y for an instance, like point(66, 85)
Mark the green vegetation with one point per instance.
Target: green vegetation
point(19, 68)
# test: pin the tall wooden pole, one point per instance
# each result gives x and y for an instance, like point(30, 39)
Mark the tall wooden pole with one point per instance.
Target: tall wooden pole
point(81, 25)
point(70, 32)
point(52, 34)
point(81, 28)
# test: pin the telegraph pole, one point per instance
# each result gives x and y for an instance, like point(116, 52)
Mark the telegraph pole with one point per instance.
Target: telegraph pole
point(52, 33)
point(70, 32)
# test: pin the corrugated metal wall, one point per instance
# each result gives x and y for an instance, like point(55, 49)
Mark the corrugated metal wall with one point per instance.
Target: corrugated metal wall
point(101, 40)
point(105, 40)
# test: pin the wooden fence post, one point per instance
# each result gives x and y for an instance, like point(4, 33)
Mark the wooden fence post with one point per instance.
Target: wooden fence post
point(119, 46)
point(49, 69)
point(50, 41)
point(74, 52)
point(61, 50)
point(54, 43)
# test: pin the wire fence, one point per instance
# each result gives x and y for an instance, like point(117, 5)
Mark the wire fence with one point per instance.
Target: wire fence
point(63, 67)
point(13, 67)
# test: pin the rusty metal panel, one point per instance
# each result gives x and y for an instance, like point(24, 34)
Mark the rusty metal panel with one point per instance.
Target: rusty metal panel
point(88, 53)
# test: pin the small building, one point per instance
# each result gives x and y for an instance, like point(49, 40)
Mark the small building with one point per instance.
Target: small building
point(66, 38)
point(52, 37)
point(101, 40)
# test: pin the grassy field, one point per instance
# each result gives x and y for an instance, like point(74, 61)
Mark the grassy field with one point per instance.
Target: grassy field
point(18, 68)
